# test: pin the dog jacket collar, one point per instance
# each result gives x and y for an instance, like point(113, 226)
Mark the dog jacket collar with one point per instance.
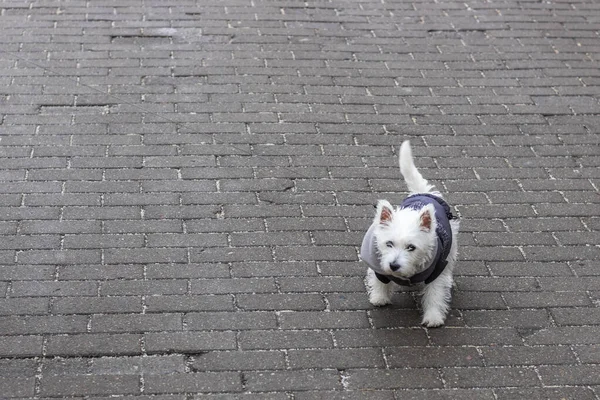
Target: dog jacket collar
point(443, 215)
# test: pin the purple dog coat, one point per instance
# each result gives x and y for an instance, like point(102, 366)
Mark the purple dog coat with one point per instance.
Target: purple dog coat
point(443, 215)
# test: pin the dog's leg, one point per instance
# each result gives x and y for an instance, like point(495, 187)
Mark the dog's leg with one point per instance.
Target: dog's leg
point(436, 300)
point(380, 293)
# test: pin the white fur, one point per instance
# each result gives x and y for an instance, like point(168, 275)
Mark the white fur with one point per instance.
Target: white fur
point(405, 228)
point(413, 178)
point(380, 293)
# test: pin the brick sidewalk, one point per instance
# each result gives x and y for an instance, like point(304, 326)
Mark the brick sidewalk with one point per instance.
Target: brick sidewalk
point(186, 184)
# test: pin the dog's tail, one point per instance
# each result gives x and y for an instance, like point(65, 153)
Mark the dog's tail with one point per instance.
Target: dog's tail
point(413, 178)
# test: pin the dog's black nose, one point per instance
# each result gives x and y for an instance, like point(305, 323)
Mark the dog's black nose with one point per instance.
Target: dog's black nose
point(394, 267)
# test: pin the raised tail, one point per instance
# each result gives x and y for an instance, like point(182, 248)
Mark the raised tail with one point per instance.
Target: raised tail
point(413, 178)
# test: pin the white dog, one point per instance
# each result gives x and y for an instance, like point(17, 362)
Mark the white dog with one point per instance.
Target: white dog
point(415, 242)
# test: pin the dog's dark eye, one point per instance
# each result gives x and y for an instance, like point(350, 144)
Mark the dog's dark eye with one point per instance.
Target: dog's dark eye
point(411, 247)
point(389, 244)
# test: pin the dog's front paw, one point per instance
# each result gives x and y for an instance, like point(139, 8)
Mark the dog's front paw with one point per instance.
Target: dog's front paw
point(377, 299)
point(433, 319)
point(379, 293)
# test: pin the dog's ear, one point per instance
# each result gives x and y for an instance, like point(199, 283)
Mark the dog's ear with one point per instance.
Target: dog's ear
point(385, 212)
point(426, 218)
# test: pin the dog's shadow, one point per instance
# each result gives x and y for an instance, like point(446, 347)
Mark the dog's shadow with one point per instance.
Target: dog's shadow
point(404, 312)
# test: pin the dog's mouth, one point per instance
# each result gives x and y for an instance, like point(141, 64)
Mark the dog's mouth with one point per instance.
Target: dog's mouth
point(399, 273)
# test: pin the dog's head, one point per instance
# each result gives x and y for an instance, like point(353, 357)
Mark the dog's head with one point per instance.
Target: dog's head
point(405, 238)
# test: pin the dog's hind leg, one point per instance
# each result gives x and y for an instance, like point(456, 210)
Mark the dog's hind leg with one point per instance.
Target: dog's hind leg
point(380, 293)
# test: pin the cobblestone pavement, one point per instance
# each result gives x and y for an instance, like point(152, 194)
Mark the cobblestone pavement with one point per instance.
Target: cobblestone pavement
point(185, 185)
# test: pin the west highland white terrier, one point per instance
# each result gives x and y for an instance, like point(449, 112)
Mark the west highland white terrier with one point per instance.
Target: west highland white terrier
point(413, 243)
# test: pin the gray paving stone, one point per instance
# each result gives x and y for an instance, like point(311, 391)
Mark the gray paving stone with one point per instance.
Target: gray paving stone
point(277, 301)
point(380, 337)
point(264, 269)
point(331, 320)
point(42, 324)
point(40, 227)
point(293, 380)
point(575, 316)
point(393, 378)
point(100, 272)
point(194, 382)
point(144, 255)
point(238, 285)
point(349, 395)
point(177, 303)
point(96, 305)
point(94, 345)
point(430, 357)
point(17, 386)
point(73, 385)
point(95, 241)
point(272, 340)
point(547, 299)
point(520, 355)
point(578, 374)
point(322, 284)
point(134, 365)
point(563, 335)
point(24, 306)
point(587, 354)
point(480, 377)
point(230, 321)
point(573, 284)
point(16, 367)
point(335, 358)
point(21, 346)
point(473, 300)
point(497, 284)
point(476, 336)
point(145, 226)
point(231, 254)
point(184, 240)
point(188, 342)
point(556, 269)
point(136, 322)
point(27, 273)
point(143, 287)
point(62, 257)
point(500, 318)
point(243, 396)
point(162, 212)
point(238, 360)
point(545, 393)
